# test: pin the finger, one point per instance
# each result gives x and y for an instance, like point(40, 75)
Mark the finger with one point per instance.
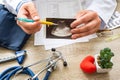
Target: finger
point(75, 36)
point(33, 11)
point(89, 26)
point(22, 13)
point(83, 19)
point(80, 13)
point(28, 10)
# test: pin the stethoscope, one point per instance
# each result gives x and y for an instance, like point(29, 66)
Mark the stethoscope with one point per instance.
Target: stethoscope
point(16, 70)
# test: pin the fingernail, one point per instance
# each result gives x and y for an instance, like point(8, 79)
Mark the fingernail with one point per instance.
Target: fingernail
point(72, 31)
point(73, 37)
point(36, 18)
point(72, 25)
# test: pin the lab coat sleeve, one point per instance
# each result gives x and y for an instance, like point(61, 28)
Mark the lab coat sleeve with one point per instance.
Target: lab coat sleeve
point(104, 8)
point(14, 5)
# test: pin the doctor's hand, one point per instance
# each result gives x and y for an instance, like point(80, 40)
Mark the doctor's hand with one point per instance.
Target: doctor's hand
point(28, 10)
point(87, 22)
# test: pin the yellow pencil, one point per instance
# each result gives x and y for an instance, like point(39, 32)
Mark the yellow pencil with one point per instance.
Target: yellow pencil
point(48, 23)
point(30, 20)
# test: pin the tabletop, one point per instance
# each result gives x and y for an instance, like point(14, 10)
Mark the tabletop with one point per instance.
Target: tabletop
point(74, 54)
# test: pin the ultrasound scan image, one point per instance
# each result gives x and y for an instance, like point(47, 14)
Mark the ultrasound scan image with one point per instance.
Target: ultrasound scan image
point(60, 31)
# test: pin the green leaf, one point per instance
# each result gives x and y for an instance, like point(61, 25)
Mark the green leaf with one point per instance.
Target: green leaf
point(107, 49)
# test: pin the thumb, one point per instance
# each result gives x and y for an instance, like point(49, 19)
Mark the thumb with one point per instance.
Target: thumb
point(33, 11)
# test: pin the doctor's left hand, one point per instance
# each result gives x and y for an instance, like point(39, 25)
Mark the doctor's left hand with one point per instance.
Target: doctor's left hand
point(87, 22)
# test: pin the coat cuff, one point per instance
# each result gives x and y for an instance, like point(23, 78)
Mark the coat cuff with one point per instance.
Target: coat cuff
point(20, 4)
point(106, 10)
point(11, 5)
point(102, 25)
point(14, 5)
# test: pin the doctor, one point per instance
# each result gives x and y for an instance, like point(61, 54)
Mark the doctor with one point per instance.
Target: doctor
point(95, 16)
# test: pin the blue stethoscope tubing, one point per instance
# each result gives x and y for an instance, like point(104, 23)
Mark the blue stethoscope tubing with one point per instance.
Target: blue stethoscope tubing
point(47, 75)
point(8, 73)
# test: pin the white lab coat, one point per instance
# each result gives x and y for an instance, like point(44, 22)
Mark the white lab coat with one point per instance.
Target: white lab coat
point(104, 8)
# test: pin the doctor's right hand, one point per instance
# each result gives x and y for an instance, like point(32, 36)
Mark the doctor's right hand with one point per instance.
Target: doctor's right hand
point(28, 10)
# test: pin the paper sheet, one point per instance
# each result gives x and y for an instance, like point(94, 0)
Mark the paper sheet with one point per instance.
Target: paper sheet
point(57, 9)
point(50, 43)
